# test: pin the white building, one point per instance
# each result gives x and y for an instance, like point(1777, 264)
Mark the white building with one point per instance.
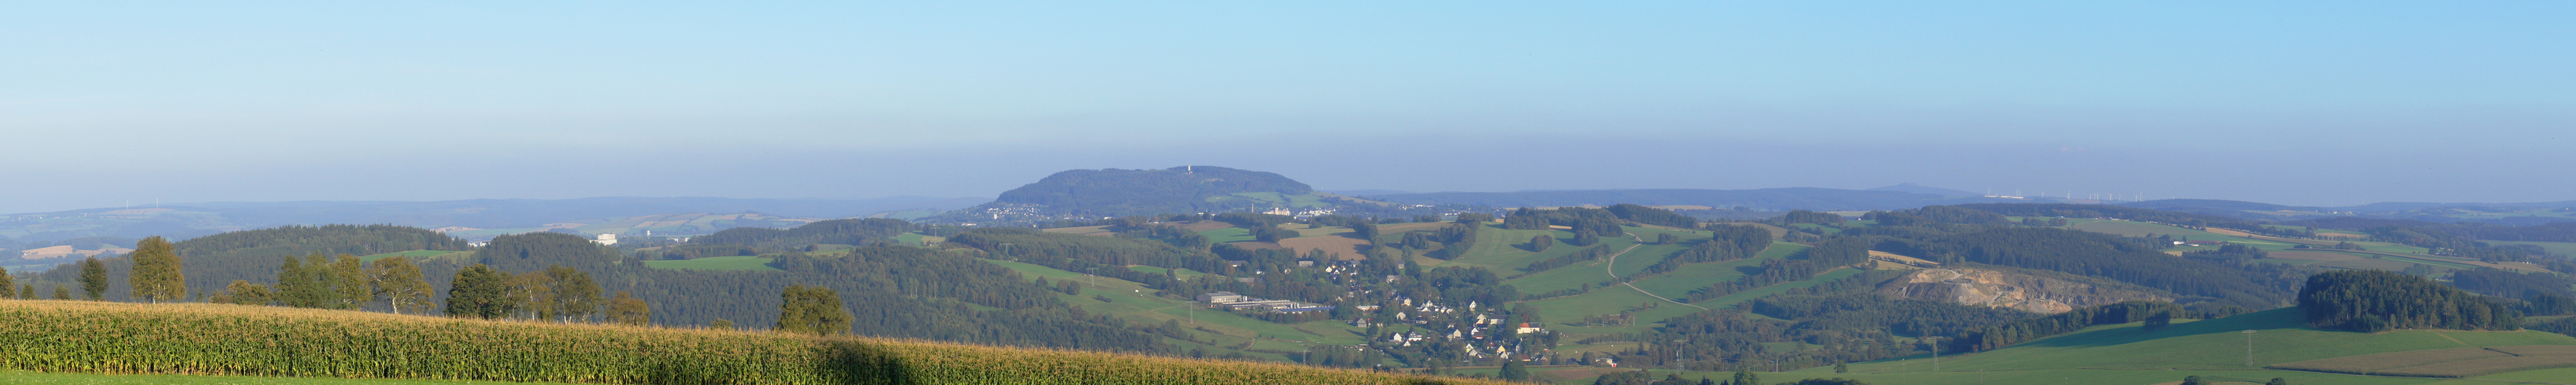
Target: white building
point(606, 239)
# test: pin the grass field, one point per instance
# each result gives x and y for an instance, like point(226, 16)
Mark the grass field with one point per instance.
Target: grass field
point(738, 262)
point(2560, 248)
point(1504, 251)
point(2458, 362)
point(2216, 344)
point(1680, 282)
point(918, 240)
point(414, 255)
point(1229, 234)
point(1135, 302)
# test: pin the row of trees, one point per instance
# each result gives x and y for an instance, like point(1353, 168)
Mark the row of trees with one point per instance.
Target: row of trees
point(342, 282)
point(558, 293)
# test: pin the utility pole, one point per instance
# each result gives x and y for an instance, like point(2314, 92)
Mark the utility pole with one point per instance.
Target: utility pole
point(1936, 352)
point(1095, 272)
point(2249, 348)
point(1677, 354)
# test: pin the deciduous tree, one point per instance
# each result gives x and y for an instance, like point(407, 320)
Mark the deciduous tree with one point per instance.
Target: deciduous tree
point(627, 310)
point(93, 278)
point(156, 276)
point(480, 292)
point(349, 283)
point(400, 283)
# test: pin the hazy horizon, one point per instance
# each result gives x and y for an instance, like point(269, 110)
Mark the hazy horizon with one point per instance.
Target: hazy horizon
point(2301, 103)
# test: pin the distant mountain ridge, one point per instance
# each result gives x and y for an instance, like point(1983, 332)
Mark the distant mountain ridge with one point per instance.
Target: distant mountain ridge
point(183, 220)
point(1770, 199)
point(1922, 189)
point(1173, 190)
point(1094, 194)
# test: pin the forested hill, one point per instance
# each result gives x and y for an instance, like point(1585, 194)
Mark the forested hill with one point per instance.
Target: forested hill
point(1093, 194)
point(188, 220)
point(1770, 199)
point(1139, 192)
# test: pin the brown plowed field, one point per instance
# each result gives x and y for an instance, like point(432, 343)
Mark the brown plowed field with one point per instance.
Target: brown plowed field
point(1347, 247)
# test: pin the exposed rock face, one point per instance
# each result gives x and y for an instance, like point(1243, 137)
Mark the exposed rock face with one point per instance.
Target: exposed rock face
point(1991, 288)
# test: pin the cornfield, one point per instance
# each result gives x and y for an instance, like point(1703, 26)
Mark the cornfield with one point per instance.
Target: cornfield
point(217, 339)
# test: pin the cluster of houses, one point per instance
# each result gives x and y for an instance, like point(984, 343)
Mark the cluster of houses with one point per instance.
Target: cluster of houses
point(1230, 301)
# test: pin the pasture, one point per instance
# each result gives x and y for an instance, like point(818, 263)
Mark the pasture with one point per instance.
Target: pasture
point(1227, 235)
point(2559, 248)
point(2458, 362)
point(2281, 337)
point(1136, 302)
point(414, 255)
point(735, 262)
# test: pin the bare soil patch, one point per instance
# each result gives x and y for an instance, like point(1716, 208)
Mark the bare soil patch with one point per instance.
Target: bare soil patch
point(1205, 225)
point(1347, 247)
point(1400, 228)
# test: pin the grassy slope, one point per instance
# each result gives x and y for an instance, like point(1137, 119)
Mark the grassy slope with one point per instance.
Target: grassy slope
point(1229, 234)
point(2127, 353)
point(739, 262)
point(414, 255)
point(1133, 301)
point(2560, 248)
point(2212, 349)
point(1680, 282)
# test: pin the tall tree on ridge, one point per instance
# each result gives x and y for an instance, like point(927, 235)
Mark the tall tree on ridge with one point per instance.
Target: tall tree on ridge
point(575, 296)
point(156, 276)
point(93, 278)
point(480, 292)
point(627, 310)
point(401, 284)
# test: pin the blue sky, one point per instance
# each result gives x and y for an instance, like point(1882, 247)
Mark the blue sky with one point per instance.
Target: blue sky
point(2326, 103)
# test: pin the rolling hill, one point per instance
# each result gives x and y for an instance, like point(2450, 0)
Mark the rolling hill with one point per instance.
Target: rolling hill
point(1772, 199)
point(187, 220)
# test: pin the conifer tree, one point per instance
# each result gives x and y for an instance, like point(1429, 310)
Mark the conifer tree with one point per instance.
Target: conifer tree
point(8, 287)
point(93, 278)
point(156, 276)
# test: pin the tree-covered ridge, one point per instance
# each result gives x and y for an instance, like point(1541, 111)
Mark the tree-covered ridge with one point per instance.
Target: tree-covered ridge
point(211, 262)
point(2374, 301)
point(1116, 192)
point(837, 231)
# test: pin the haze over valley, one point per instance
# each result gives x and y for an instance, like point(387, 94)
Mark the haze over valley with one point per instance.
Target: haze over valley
point(1806, 193)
